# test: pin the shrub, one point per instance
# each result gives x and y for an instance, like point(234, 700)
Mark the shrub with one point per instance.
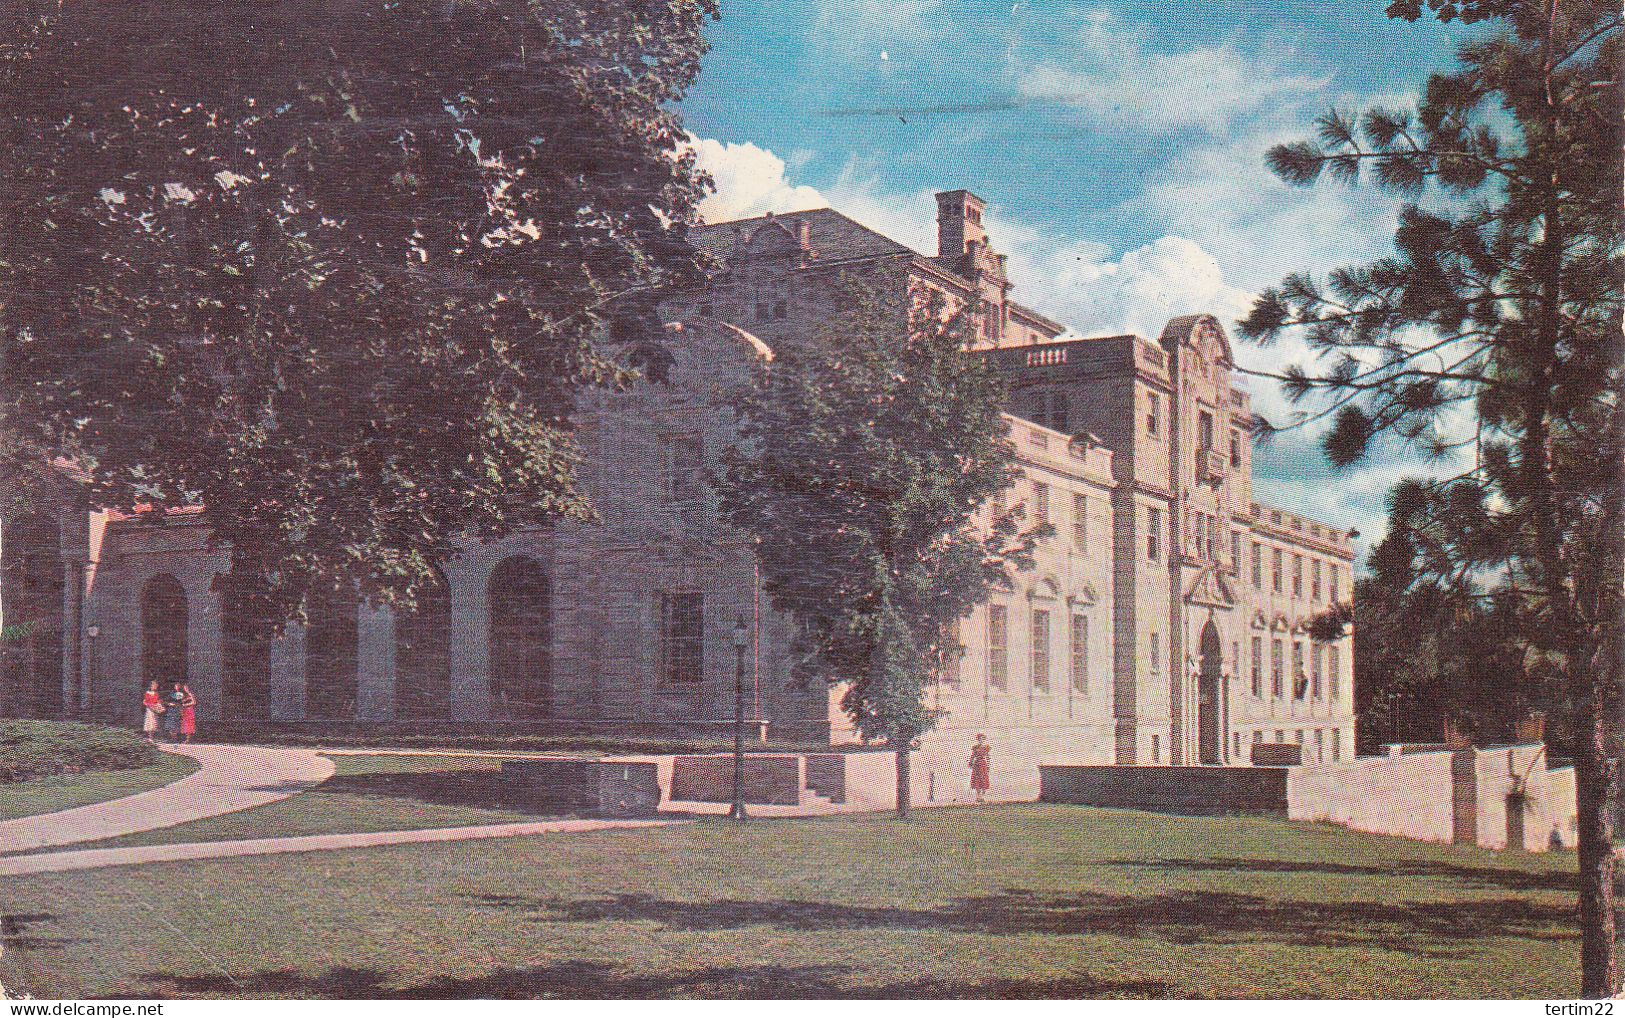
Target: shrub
point(37, 749)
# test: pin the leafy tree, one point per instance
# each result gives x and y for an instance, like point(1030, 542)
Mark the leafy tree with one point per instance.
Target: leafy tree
point(866, 457)
point(1501, 307)
point(335, 269)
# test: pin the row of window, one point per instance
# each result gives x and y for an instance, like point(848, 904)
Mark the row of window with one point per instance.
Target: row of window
point(772, 310)
point(998, 651)
point(1044, 512)
point(1323, 679)
point(1314, 751)
point(1330, 572)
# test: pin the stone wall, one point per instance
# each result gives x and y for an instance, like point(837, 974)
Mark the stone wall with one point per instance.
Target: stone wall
point(1169, 789)
point(776, 780)
point(1407, 794)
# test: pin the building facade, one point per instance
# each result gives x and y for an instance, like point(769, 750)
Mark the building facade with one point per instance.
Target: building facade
point(1166, 621)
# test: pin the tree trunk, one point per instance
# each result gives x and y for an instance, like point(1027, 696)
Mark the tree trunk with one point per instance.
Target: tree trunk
point(1596, 775)
point(903, 776)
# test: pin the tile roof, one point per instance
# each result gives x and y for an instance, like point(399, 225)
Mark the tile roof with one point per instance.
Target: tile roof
point(834, 236)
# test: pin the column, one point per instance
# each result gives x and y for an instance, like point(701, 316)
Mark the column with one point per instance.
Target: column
point(288, 673)
point(375, 664)
point(204, 650)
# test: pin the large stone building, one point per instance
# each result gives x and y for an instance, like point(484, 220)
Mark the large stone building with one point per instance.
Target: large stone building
point(1165, 622)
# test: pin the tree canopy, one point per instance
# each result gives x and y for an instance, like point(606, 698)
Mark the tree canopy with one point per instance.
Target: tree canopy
point(336, 269)
point(867, 460)
point(1492, 340)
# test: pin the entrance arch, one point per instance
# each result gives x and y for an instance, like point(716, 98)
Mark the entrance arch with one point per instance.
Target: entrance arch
point(164, 620)
point(423, 654)
point(1209, 701)
point(521, 600)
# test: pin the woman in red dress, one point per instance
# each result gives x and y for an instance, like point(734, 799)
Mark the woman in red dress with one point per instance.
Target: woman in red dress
point(152, 705)
point(980, 760)
point(188, 713)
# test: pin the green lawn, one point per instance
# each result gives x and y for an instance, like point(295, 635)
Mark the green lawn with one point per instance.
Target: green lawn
point(993, 901)
point(65, 791)
point(365, 793)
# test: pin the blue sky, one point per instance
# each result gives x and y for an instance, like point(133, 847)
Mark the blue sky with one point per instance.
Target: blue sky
point(1119, 146)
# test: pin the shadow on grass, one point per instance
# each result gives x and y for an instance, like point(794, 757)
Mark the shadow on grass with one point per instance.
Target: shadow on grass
point(1431, 929)
point(599, 981)
point(17, 932)
point(481, 789)
point(1478, 877)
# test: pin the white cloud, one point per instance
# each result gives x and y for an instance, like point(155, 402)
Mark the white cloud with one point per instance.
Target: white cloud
point(1112, 73)
point(750, 181)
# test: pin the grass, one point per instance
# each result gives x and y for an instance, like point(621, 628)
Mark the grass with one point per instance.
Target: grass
point(1008, 901)
point(65, 791)
point(39, 749)
point(365, 793)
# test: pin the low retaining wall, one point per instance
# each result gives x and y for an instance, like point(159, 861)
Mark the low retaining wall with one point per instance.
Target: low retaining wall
point(1408, 794)
point(585, 787)
point(1170, 789)
point(775, 780)
point(1494, 797)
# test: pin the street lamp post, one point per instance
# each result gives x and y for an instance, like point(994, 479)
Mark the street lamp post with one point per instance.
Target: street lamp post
point(741, 637)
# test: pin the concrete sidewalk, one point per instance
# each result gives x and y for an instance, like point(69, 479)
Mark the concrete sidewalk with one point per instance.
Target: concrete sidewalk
point(95, 858)
point(230, 778)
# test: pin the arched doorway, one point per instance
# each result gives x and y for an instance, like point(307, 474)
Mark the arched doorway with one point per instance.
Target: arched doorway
point(1209, 703)
point(423, 654)
point(246, 668)
point(521, 600)
point(164, 621)
point(31, 591)
point(331, 645)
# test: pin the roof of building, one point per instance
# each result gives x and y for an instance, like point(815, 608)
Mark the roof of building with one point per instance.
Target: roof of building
point(834, 236)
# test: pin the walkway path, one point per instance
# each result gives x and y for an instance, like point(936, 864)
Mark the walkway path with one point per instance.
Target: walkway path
point(93, 858)
point(229, 779)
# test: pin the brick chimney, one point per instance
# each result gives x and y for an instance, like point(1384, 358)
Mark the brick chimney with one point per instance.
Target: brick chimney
point(959, 223)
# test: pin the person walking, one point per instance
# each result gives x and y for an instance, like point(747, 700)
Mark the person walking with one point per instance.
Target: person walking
point(152, 706)
point(981, 756)
point(188, 713)
point(172, 698)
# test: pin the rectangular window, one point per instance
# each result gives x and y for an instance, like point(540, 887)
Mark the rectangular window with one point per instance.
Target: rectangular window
point(781, 309)
point(682, 637)
point(1156, 749)
point(998, 646)
point(1236, 746)
point(1153, 413)
point(1320, 746)
point(1300, 738)
point(1258, 565)
point(1300, 680)
point(1040, 636)
point(1337, 582)
point(1337, 744)
point(1334, 674)
point(1204, 430)
point(762, 310)
point(1156, 652)
point(1258, 666)
point(1235, 449)
point(1080, 522)
point(1277, 666)
point(1153, 534)
point(1280, 736)
point(1080, 654)
point(1314, 671)
point(1297, 576)
point(1258, 737)
point(1275, 569)
point(1314, 580)
point(685, 467)
point(1235, 551)
point(1041, 501)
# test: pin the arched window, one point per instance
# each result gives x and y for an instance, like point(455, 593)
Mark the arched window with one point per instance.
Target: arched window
point(31, 579)
point(164, 617)
point(246, 664)
point(423, 654)
point(330, 654)
point(521, 600)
